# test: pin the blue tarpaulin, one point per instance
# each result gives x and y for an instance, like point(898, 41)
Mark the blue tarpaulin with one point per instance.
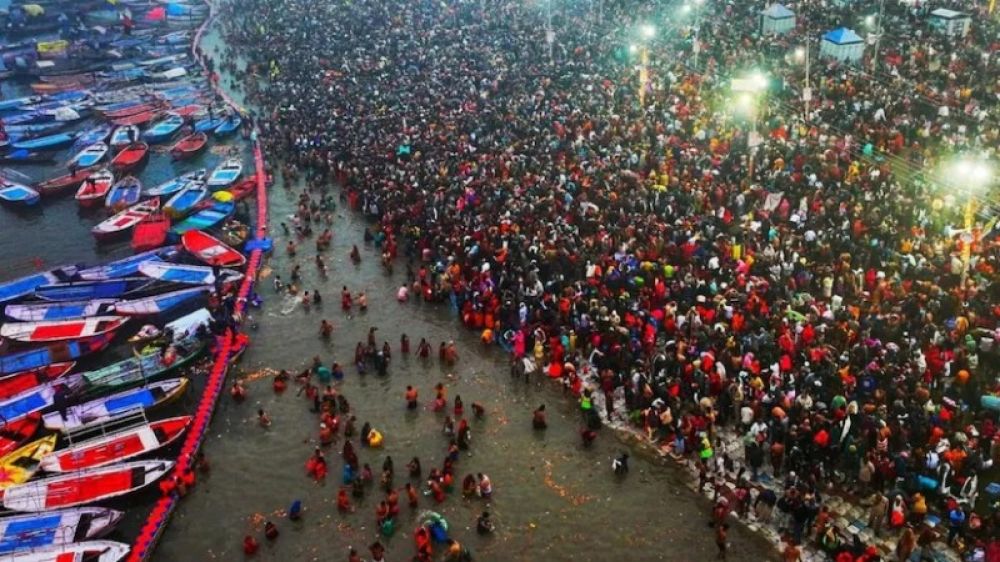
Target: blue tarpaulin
point(178, 10)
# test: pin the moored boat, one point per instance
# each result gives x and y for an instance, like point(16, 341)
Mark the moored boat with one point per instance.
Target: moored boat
point(24, 286)
point(103, 409)
point(126, 219)
point(150, 232)
point(58, 352)
point(126, 266)
point(12, 385)
point(27, 403)
point(124, 193)
point(185, 200)
point(16, 433)
point(189, 146)
point(137, 119)
point(18, 194)
point(123, 136)
point(37, 312)
point(157, 304)
point(60, 330)
point(179, 273)
point(95, 188)
point(55, 528)
point(83, 487)
point(174, 185)
point(228, 127)
point(18, 466)
point(60, 184)
point(164, 129)
point(211, 250)
point(57, 141)
point(89, 551)
point(130, 157)
point(89, 156)
point(225, 174)
point(116, 447)
point(89, 290)
point(205, 218)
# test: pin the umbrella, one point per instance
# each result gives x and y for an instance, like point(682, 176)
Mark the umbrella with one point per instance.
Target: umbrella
point(157, 14)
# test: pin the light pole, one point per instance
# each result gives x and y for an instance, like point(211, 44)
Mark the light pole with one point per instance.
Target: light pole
point(696, 45)
point(802, 53)
point(750, 88)
point(969, 175)
point(550, 35)
point(647, 32)
point(878, 32)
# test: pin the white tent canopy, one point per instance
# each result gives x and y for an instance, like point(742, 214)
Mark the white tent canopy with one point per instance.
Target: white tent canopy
point(842, 44)
point(950, 22)
point(777, 19)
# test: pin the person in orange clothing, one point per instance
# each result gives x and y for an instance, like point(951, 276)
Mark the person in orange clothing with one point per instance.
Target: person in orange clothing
point(343, 501)
point(411, 398)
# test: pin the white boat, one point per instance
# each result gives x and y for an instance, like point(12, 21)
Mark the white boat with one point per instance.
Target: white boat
point(117, 446)
point(225, 174)
point(59, 330)
point(37, 312)
point(55, 528)
point(88, 551)
point(84, 486)
point(90, 156)
point(107, 407)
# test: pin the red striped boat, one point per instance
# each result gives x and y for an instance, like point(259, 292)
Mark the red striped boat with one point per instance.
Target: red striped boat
point(61, 183)
point(189, 146)
point(137, 119)
point(151, 232)
point(17, 383)
point(85, 486)
point(211, 250)
point(132, 110)
point(59, 330)
point(94, 188)
point(115, 447)
point(126, 219)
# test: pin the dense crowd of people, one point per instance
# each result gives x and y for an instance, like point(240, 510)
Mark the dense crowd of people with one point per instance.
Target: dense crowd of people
point(634, 237)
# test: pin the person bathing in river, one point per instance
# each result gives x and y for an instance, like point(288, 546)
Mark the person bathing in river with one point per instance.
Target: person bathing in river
point(414, 468)
point(404, 344)
point(423, 349)
point(411, 398)
point(346, 301)
point(325, 329)
point(355, 254)
point(538, 419)
point(362, 301)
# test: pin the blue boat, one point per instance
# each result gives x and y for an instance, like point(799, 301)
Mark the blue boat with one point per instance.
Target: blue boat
point(186, 199)
point(53, 528)
point(124, 193)
point(28, 118)
point(178, 273)
point(157, 304)
point(127, 266)
point(26, 157)
point(171, 187)
point(12, 104)
point(54, 353)
point(225, 174)
point(229, 126)
point(162, 131)
point(51, 142)
point(90, 290)
point(89, 156)
point(48, 311)
point(24, 131)
point(69, 96)
point(99, 133)
point(205, 218)
point(109, 107)
point(208, 124)
point(22, 405)
point(18, 194)
point(24, 286)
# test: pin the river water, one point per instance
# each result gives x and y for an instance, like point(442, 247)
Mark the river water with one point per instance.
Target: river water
point(553, 499)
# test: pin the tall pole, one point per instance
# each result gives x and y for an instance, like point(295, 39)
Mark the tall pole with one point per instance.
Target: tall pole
point(643, 74)
point(696, 47)
point(878, 36)
point(549, 34)
point(807, 91)
point(970, 213)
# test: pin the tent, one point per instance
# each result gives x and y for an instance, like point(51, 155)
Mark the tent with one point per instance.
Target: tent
point(157, 14)
point(950, 22)
point(842, 44)
point(777, 19)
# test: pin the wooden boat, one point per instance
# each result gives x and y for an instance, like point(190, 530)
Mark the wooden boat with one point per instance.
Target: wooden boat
point(228, 127)
point(137, 119)
point(150, 232)
point(127, 266)
point(225, 174)
point(12, 385)
point(140, 369)
point(57, 141)
point(205, 218)
point(55, 528)
point(31, 401)
point(163, 130)
point(189, 146)
point(93, 135)
point(106, 408)
point(24, 286)
point(50, 354)
point(210, 250)
point(16, 433)
point(178, 273)
point(130, 110)
point(18, 194)
point(159, 303)
point(185, 200)
point(62, 183)
point(89, 551)
point(37, 312)
point(124, 193)
point(89, 156)
point(18, 466)
point(172, 186)
point(209, 124)
point(125, 220)
point(85, 486)
point(26, 157)
point(90, 290)
point(131, 157)
point(189, 110)
point(244, 189)
point(124, 136)
point(95, 188)
point(116, 447)
point(60, 330)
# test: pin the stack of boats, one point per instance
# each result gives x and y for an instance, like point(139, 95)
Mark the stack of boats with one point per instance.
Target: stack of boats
point(72, 438)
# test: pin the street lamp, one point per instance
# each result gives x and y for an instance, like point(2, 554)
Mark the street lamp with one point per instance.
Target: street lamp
point(750, 88)
point(646, 33)
point(970, 176)
point(802, 55)
point(695, 45)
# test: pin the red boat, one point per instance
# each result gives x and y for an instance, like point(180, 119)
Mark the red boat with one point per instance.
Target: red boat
point(210, 250)
point(85, 486)
point(17, 383)
point(188, 111)
point(189, 146)
point(244, 189)
point(131, 157)
point(60, 330)
point(115, 447)
point(133, 110)
point(57, 185)
point(94, 188)
point(137, 119)
point(151, 232)
point(126, 219)
point(15, 434)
